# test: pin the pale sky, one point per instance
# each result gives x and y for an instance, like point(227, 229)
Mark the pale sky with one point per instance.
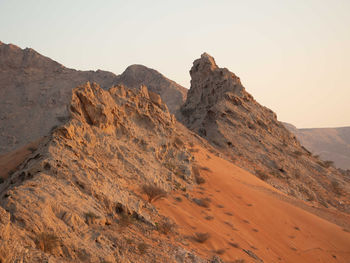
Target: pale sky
point(292, 56)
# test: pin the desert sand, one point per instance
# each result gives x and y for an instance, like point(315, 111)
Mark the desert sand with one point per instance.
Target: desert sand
point(245, 216)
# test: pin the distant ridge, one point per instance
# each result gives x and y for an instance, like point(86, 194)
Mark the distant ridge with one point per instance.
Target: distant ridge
point(329, 143)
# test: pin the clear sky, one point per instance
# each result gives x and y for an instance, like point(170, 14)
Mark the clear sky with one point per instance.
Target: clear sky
point(293, 56)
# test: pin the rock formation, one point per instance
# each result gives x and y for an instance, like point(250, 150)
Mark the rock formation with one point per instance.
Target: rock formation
point(73, 195)
point(220, 110)
point(171, 93)
point(35, 92)
point(331, 144)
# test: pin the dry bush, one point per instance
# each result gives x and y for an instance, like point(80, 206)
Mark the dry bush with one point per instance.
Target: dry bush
point(203, 202)
point(201, 237)
point(336, 188)
point(239, 261)
point(1, 180)
point(209, 218)
point(297, 153)
point(204, 168)
point(90, 217)
point(165, 227)
point(263, 176)
point(327, 164)
point(153, 192)
point(142, 248)
point(125, 220)
point(197, 177)
point(235, 245)
point(220, 251)
point(47, 242)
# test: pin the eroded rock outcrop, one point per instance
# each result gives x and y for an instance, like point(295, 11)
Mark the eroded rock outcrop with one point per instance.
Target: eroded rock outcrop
point(220, 110)
point(71, 199)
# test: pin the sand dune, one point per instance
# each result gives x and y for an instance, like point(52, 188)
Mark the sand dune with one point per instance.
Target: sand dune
point(247, 219)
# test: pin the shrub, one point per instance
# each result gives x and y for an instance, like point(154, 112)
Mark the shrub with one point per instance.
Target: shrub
point(90, 217)
point(201, 237)
point(235, 245)
point(327, 164)
point(220, 251)
point(263, 176)
point(203, 202)
point(153, 192)
point(47, 242)
point(125, 220)
point(197, 177)
point(336, 188)
point(142, 248)
point(165, 227)
point(297, 153)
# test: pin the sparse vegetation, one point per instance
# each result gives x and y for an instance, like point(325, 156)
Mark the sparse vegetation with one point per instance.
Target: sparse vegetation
point(198, 178)
point(90, 217)
point(165, 227)
point(297, 153)
point(263, 176)
point(220, 251)
point(125, 220)
point(153, 192)
point(203, 202)
point(47, 242)
point(142, 248)
point(235, 245)
point(201, 237)
point(336, 188)
point(209, 218)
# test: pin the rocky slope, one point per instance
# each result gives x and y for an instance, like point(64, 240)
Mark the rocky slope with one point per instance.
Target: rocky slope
point(82, 197)
point(220, 110)
point(35, 92)
point(329, 143)
point(171, 93)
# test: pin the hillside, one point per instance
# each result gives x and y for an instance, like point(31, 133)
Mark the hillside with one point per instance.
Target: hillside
point(329, 143)
point(83, 195)
point(35, 92)
point(220, 110)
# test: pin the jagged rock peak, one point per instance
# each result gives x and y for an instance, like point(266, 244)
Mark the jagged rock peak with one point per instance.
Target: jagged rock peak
point(210, 84)
point(206, 62)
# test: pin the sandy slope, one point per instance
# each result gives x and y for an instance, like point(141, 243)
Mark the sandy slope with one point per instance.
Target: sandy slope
point(249, 214)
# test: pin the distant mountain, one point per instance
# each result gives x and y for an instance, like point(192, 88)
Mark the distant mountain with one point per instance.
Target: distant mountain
point(171, 93)
point(35, 92)
point(220, 110)
point(329, 143)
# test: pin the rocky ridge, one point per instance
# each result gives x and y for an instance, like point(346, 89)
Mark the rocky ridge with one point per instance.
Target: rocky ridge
point(35, 92)
point(171, 93)
point(220, 110)
point(72, 197)
point(331, 144)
